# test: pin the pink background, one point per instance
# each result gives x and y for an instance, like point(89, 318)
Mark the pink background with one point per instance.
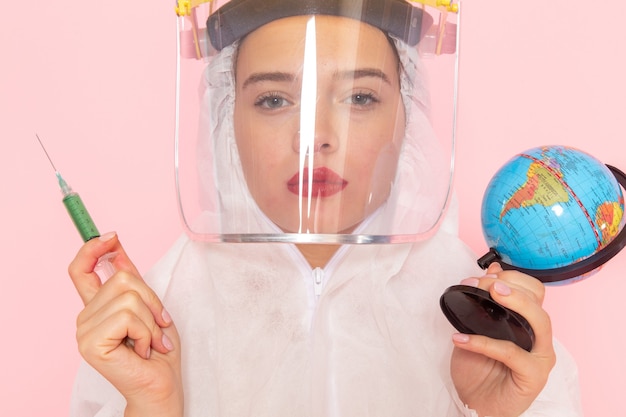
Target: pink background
point(97, 83)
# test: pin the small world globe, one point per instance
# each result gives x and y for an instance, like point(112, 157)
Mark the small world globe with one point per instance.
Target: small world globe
point(550, 207)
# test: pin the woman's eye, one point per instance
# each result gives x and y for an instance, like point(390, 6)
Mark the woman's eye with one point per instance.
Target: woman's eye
point(363, 99)
point(271, 101)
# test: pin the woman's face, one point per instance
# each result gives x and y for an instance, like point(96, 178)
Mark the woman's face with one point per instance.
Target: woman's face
point(348, 113)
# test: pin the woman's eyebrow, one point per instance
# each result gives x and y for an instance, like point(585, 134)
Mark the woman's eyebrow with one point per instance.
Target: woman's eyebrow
point(268, 76)
point(278, 76)
point(363, 73)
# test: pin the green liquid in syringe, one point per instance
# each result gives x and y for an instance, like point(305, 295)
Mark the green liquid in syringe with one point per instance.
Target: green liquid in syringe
point(80, 216)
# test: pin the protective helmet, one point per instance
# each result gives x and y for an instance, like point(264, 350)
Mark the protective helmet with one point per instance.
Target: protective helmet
point(315, 121)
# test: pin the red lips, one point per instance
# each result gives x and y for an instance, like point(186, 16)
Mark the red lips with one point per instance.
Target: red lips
point(326, 182)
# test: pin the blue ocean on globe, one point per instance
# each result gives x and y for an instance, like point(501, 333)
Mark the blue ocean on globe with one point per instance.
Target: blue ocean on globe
point(550, 207)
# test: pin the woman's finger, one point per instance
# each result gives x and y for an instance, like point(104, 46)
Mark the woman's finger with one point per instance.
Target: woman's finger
point(131, 303)
point(514, 279)
point(529, 370)
point(81, 269)
point(527, 305)
point(106, 342)
point(122, 282)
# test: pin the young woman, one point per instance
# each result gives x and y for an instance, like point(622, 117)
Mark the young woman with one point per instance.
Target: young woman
point(316, 133)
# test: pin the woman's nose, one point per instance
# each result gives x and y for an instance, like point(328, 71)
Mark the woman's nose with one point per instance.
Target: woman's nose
point(319, 135)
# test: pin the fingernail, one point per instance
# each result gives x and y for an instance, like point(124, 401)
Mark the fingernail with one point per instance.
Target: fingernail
point(107, 236)
point(166, 316)
point(167, 342)
point(494, 265)
point(148, 353)
point(460, 338)
point(501, 288)
point(472, 282)
point(494, 276)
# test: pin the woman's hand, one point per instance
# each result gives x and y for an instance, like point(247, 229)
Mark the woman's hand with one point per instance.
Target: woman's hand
point(495, 377)
point(125, 333)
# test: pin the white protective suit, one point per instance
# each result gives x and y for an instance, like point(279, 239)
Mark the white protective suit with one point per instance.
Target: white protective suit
point(264, 335)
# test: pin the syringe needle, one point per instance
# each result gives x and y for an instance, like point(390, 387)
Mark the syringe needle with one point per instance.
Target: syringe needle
point(46, 152)
point(65, 188)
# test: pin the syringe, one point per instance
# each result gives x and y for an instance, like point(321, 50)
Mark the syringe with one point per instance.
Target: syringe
point(80, 217)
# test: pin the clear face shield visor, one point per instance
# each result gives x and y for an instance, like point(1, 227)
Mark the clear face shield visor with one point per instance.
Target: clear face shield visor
point(303, 121)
